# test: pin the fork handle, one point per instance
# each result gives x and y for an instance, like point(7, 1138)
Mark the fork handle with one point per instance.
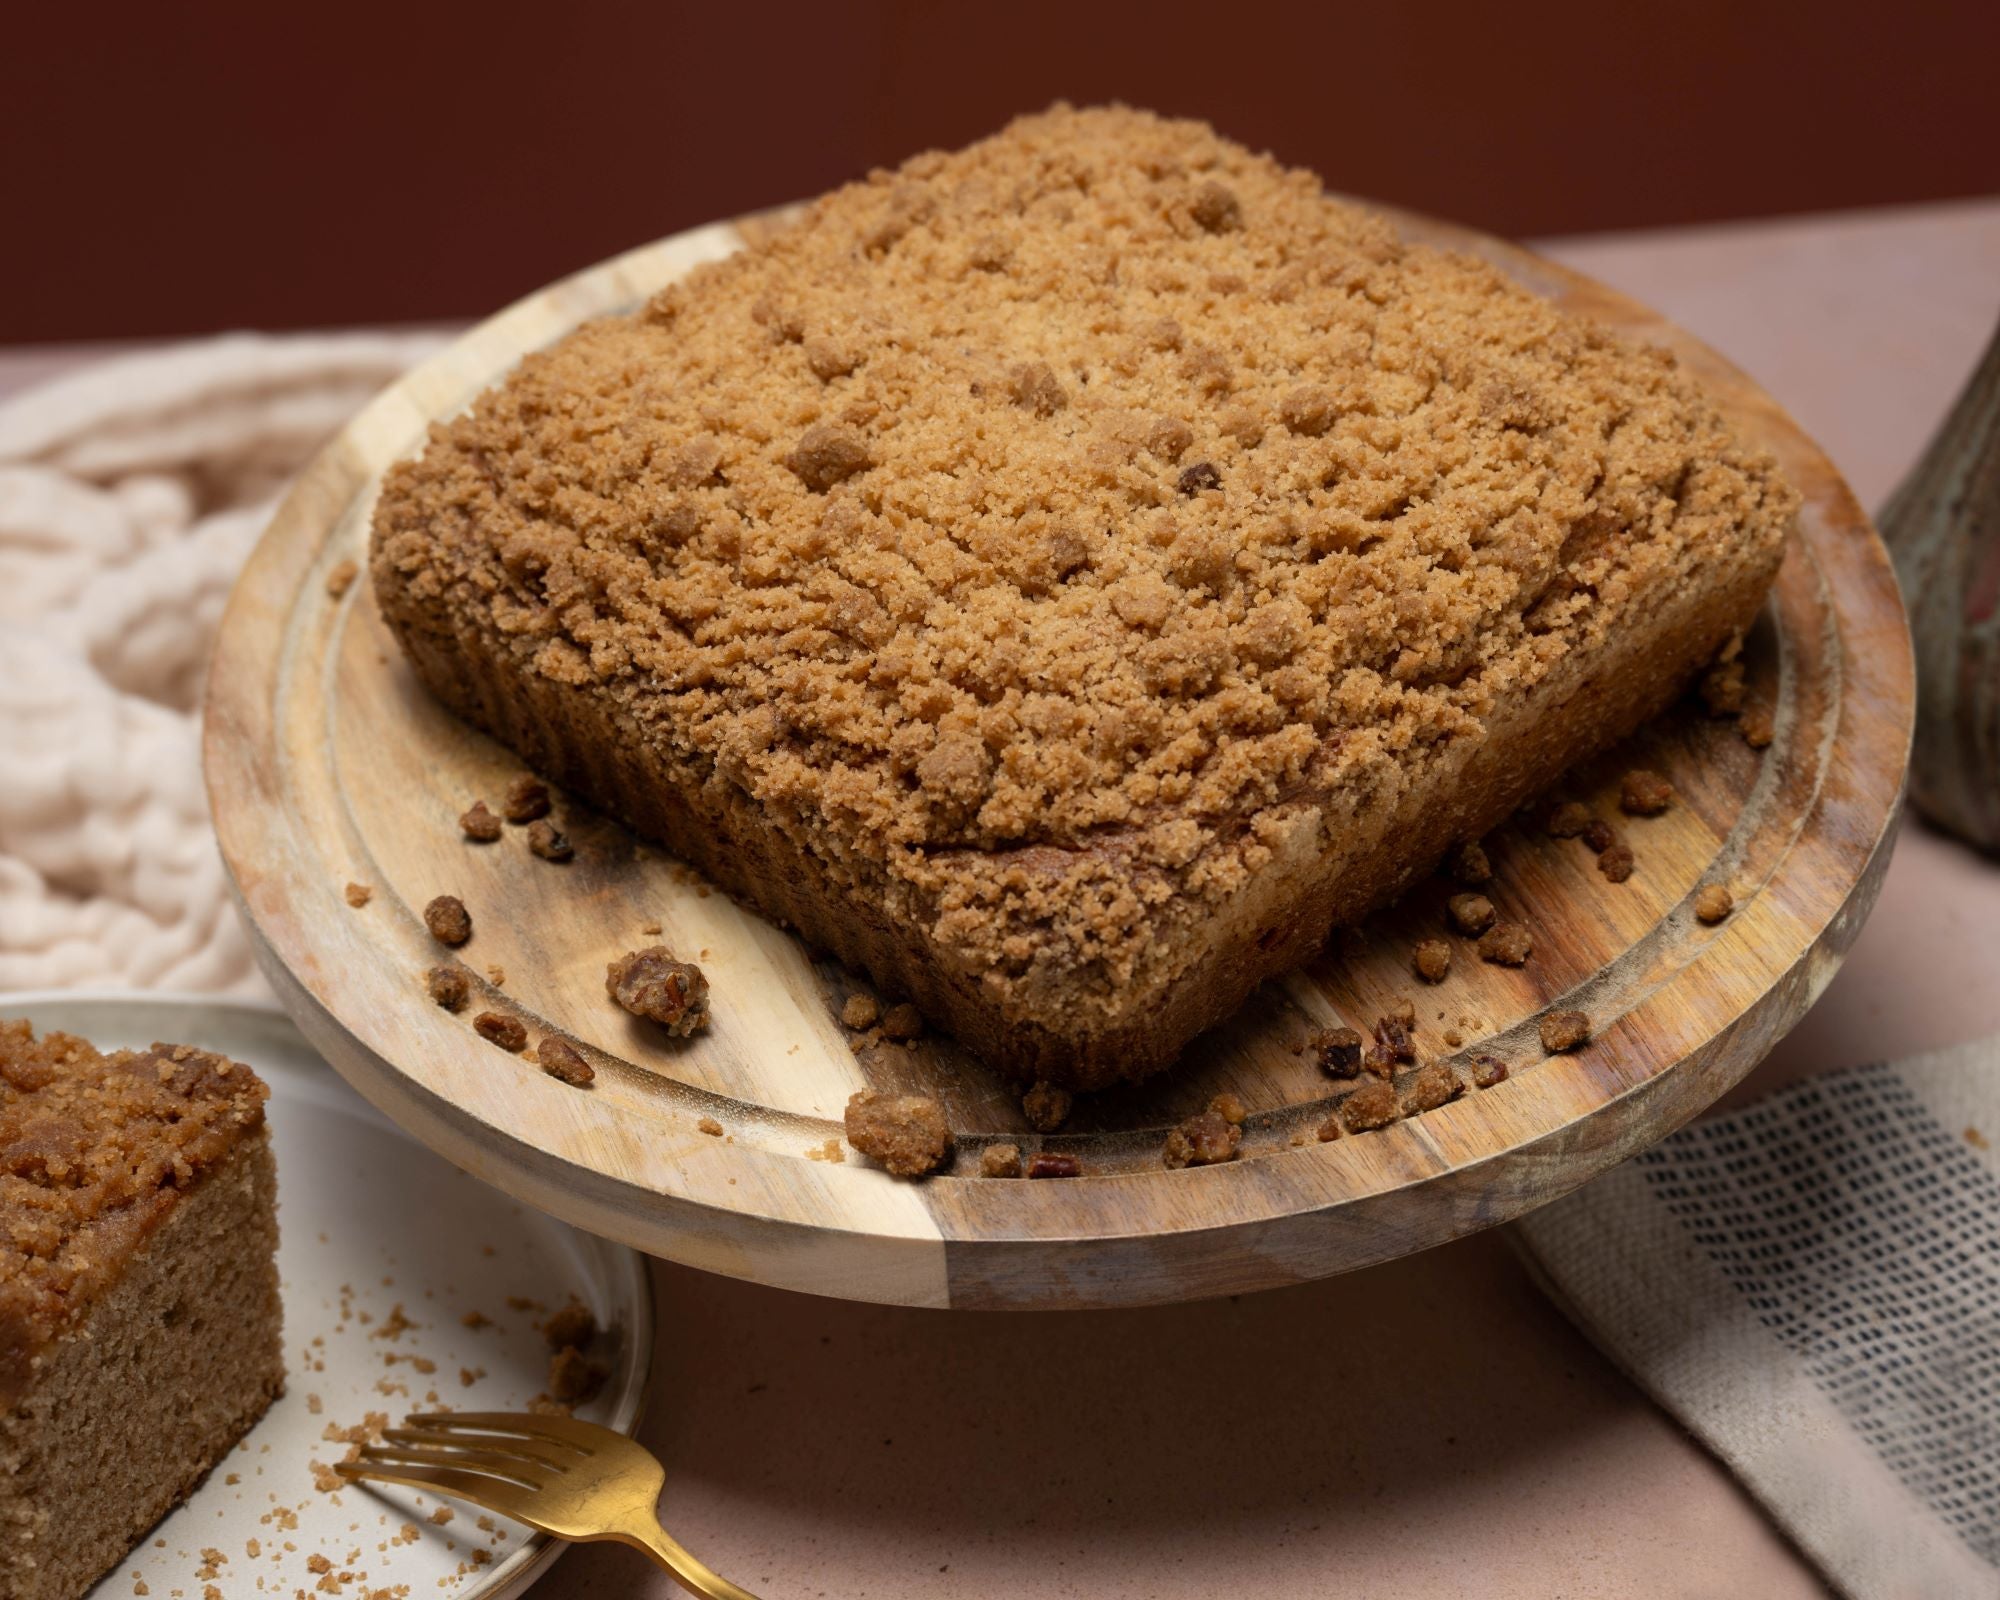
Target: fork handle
point(684, 1569)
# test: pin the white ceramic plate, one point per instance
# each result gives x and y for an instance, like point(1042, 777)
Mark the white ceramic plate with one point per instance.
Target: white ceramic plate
point(369, 1221)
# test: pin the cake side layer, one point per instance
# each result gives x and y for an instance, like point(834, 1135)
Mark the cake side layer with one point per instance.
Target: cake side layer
point(96, 1152)
point(131, 1407)
point(878, 924)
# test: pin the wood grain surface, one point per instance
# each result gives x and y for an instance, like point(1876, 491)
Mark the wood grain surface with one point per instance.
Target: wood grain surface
point(327, 764)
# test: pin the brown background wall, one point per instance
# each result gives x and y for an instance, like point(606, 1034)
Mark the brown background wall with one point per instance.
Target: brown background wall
point(176, 168)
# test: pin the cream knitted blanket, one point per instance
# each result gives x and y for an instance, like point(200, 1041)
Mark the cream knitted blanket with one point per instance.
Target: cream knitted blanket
point(129, 496)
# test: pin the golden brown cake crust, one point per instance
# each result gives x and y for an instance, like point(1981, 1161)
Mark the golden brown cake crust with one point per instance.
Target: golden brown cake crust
point(1054, 545)
point(95, 1152)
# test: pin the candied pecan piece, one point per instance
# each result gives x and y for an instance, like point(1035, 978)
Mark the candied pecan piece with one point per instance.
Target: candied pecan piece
point(526, 799)
point(1203, 1140)
point(478, 824)
point(448, 986)
point(1373, 1105)
point(1469, 864)
point(902, 1023)
point(1568, 820)
point(651, 983)
point(1598, 836)
point(1053, 1164)
point(1564, 1030)
point(1338, 1051)
point(907, 1133)
point(549, 842)
point(1230, 1108)
point(562, 1060)
point(1000, 1161)
point(1046, 1107)
point(1199, 477)
point(1616, 862)
point(1488, 1070)
point(1470, 913)
point(1392, 1039)
point(1506, 944)
point(496, 1027)
point(1713, 903)
point(1430, 1088)
point(450, 923)
point(1644, 793)
point(1432, 960)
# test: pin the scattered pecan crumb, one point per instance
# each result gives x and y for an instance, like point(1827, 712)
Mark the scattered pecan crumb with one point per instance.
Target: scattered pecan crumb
point(861, 1011)
point(1506, 944)
point(1564, 1030)
point(1432, 1087)
point(505, 1031)
point(341, 578)
point(1598, 836)
point(1453, 1038)
point(574, 1379)
point(1373, 1105)
point(478, 824)
point(1329, 1130)
point(497, 976)
point(1488, 1070)
point(358, 895)
point(1470, 913)
point(1722, 688)
point(1469, 864)
point(448, 986)
point(1714, 903)
point(1046, 1107)
point(549, 842)
point(1049, 1164)
point(902, 1023)
point(1432, 959)
point(1758, 727)
point(709, 1126)
point(907, 1133)
point(575, 1324)
point(1230, 1108)
point(1615, 862)
point(651, 983)
point(1644, 793)
point(1203, 1140)
point(450, 923)
point(1000, 1161)
point(1568, 820)
point(1392, 1044)
point(526, 799)
point(1338, 1051)
point(563, 1061)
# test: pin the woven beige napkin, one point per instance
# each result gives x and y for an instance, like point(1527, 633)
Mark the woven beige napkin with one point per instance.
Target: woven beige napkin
point(1812, 1286)
point(130, 494)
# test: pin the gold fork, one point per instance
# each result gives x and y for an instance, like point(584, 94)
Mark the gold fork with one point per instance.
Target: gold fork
point(572, 1479)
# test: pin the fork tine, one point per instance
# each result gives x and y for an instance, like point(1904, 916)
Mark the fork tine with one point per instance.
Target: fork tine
point(495, 1494)
point(585, 1436)
point(491, 1463)
point(528, 1452)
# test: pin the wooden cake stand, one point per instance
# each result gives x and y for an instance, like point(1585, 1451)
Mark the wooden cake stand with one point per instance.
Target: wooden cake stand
point(327, 764)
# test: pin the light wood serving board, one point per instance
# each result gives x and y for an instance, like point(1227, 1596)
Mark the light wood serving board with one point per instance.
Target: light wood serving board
point(327, 763)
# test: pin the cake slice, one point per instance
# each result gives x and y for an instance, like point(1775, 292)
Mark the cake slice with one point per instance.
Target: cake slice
point(1067, 577)
point(139, 1315)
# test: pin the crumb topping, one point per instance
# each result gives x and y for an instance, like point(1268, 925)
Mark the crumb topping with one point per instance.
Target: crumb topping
point(95, 1151)
point(1057, 523)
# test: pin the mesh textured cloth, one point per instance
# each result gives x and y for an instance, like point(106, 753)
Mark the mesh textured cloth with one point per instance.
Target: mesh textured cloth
point(130, 494)
point(1812, 1285)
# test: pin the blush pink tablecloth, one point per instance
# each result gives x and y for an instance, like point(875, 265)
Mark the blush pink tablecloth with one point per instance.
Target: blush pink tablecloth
point(1427, 1428)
